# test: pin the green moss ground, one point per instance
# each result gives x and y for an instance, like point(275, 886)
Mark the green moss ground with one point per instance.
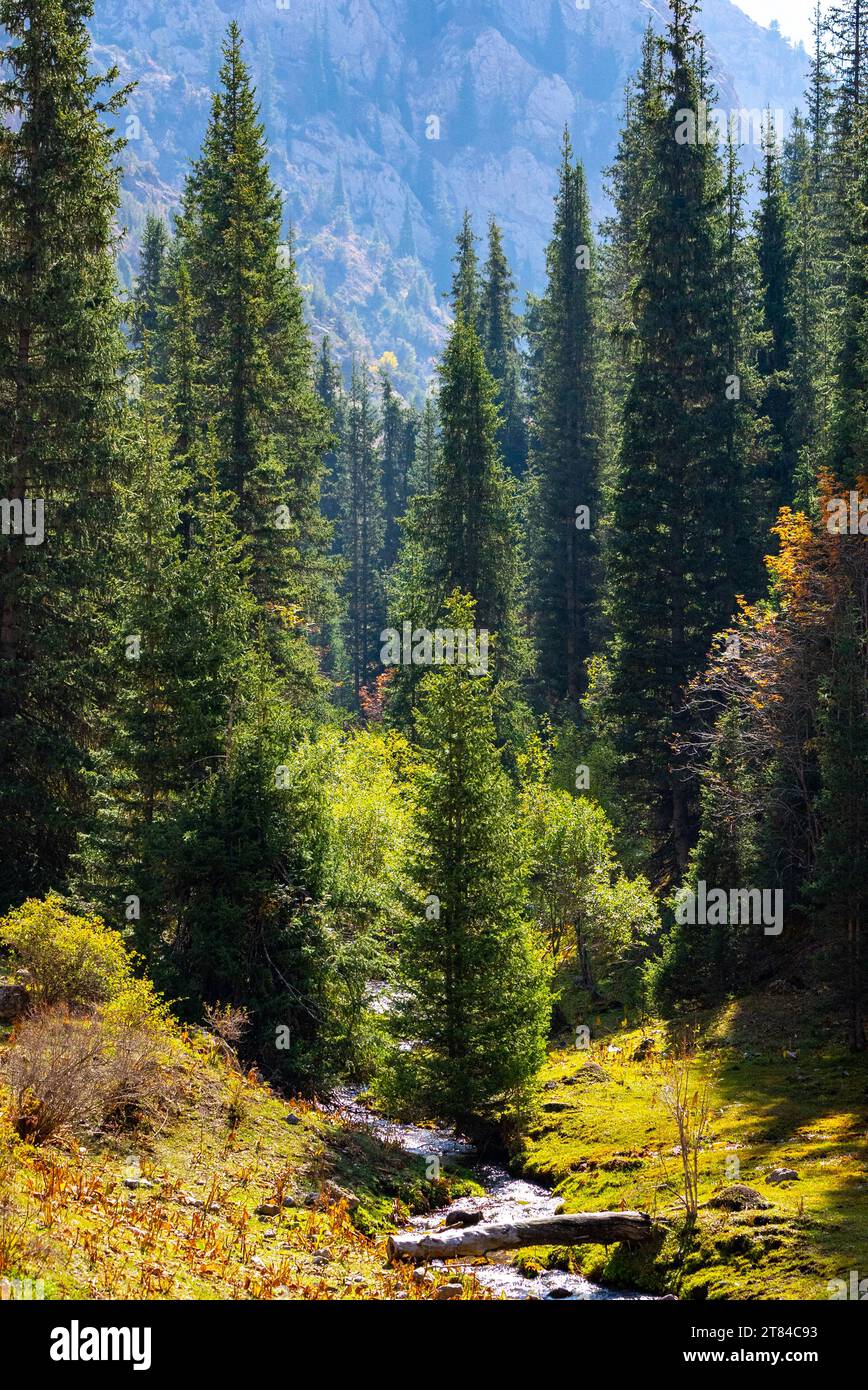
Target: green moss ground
point(784, 1093)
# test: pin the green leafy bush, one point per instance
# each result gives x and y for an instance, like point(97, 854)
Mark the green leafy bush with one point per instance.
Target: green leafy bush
point(71, 958)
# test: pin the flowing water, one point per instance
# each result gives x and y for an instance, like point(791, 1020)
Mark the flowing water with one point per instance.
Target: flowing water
point(505, 1198)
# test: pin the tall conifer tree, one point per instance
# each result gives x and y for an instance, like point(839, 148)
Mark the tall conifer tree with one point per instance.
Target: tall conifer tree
point(61, 455)
point(776, 259)
point(464, 534)
point(476, 997)
point(498, 333)
point(179, 645)
point(847, 455)
point(473, 538)
point(426, 452)
point(361, 532)
point(674, 550)
point(271, 426)
point(395, 466)
point(564, 507)
point(150, 285)
point(465, 293)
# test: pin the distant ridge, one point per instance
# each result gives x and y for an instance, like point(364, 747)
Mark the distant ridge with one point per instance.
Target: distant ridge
point(390, 116)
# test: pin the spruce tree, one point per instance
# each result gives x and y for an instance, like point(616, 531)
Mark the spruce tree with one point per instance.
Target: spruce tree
point(150, 286)
point(248, 858)
point(465, 293)
point(498, 334)
point(750, 451)
point(473, 541)
point(426, 452)
point(329, 389)
point(811, 347)
point(564, 505)
point(475, 1000)
point(847, 450)
point(61, 403)
point(178, 648)
point(463, 534)
point(776, 259)
point(674, 546)
point(819, 99)
point(256, 354)
point(626, 181)
point(395, 467)
point(185, 367)
point(846, 22)
point(845, 29)
point(360, 530)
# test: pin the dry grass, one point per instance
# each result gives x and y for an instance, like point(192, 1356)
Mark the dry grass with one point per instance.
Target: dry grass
point(67, 1070)
point(169, 1210)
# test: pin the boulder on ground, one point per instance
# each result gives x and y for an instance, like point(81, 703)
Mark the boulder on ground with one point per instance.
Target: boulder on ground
point(13, 1002)
point(782, 1175)
point(332, 1193)
point(448, 1291)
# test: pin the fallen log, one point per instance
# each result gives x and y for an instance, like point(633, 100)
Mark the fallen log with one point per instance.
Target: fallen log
point(573, 1228)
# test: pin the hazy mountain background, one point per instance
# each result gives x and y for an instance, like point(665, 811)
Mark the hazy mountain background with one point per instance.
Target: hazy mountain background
point(351, 91)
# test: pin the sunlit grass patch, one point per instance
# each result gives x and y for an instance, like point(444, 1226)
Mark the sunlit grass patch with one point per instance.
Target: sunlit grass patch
point(784, 1095)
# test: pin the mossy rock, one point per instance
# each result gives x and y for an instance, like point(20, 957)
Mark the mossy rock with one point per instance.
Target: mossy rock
point(591, 1074)
point(738, 1197)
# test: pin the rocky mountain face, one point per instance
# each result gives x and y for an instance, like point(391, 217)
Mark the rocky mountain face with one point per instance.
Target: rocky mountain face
point(386, 118)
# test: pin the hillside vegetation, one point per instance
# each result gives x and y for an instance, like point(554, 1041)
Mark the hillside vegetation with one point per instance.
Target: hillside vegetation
point(140, 1160)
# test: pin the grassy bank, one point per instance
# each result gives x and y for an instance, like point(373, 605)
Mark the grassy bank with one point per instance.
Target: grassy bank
point(233, 1193)
point(784, 1094)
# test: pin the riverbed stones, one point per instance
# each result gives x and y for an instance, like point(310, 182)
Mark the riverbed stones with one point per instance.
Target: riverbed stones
point(447, 1291)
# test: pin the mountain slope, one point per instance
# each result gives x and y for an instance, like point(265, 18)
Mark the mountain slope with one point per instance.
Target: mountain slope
point(387, 117)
